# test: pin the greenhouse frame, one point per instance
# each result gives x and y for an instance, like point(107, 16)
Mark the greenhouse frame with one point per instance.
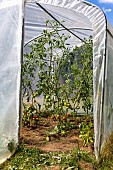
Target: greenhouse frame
point(22, 22)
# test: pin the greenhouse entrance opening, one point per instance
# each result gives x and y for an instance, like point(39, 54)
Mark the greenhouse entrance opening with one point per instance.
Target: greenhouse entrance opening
point(58, 88)
point(58, 62)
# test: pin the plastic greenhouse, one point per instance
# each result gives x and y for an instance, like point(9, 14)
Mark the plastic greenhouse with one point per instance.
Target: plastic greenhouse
point(82, 19)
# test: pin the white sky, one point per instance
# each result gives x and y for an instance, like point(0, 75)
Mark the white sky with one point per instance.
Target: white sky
point(106, 1)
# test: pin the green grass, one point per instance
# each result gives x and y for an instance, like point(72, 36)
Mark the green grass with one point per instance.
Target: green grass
point(35, 159)
point(105, 165)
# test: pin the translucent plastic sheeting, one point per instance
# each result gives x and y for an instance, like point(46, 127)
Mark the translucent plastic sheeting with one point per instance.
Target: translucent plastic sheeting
point(10, 70)
point(35, 21)
point(81, 17)
point(107, 117)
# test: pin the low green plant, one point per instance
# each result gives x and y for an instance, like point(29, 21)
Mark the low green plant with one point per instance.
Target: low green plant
point(11, 145)
point(63, 126)
point(86, 132)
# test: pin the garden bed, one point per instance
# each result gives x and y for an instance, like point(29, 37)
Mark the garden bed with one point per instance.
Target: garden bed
point(36, 137)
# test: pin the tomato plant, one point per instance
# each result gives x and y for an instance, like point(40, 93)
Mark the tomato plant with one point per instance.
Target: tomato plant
point(30, 115)
point(52, 58)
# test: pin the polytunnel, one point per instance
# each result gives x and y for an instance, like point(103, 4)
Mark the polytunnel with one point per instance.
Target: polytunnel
point(82, 19)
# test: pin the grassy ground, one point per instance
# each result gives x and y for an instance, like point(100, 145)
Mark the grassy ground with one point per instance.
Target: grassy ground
point(35, 159)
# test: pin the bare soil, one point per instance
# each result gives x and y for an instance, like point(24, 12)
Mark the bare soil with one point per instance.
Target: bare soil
point(35, 137)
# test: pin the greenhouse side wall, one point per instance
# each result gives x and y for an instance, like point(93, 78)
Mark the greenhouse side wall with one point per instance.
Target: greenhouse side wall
point(10, 73)
point(108, 96)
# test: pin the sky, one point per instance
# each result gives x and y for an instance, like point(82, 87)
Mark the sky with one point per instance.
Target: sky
point(106, 6)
